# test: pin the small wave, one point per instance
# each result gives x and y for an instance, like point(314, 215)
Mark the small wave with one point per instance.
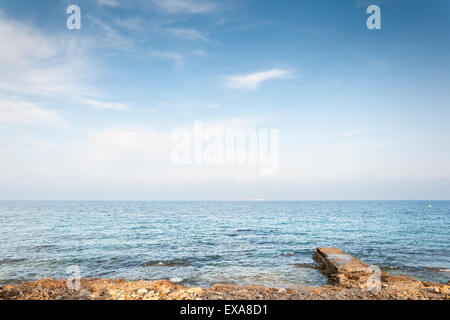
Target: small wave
point(439, 269)
point(176, 279)
point(293, 253)
point(10, 261)
point(289, 254)
point(169, 263)
point(306, 265)
point(44, 247)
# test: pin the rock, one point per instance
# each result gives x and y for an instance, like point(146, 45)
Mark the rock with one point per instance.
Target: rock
point(445, 289)
point(195, 290)
point(394, 287)
point(335, 261)
point(8, 288)
point(96, 288)
point(112, 292)
point(142, 291)
point(164, 283)
point(83, 293)
point(164, 289)
point(9, 292)
point(401, 282)
point(150, 297)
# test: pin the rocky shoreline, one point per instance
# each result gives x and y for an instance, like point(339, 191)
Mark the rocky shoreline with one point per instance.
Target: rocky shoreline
point(119, 289)
point(351, 279)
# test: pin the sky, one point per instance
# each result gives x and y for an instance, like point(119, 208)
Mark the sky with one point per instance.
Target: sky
point(89, 114)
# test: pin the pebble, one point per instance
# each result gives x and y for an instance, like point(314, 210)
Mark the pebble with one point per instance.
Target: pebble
point(112, 292)
point(195, 290)
point(150, 297)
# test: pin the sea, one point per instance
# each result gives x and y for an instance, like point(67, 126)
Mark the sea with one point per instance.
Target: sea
point(203, 243)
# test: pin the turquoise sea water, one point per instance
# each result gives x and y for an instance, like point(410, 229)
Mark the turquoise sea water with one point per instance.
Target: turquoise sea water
point(202, 243)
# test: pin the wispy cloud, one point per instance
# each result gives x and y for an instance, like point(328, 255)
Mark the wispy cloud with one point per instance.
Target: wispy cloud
point(187, 34)
point(184, 6)
point(352, 133)
point(33, 63)
point(199, 53)
point(366, 3)
point(44, 66)
point(166, 6)
point(21, 43)
point(105, 105)
point(109, 37)
point(375, 61)
point(20, 112)
point(252, 81)
point(132, 24)
point(177, 58)
point(109, 3)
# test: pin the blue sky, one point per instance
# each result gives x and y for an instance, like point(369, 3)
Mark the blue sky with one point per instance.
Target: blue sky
point(88, 114)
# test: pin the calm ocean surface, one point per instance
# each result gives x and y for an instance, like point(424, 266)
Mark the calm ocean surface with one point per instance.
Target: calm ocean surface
point(202, 243)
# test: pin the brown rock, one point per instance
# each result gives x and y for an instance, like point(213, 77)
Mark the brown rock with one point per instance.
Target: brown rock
point(164, 283)
point(401, 282)
point(195, 290)
point(142, 291)
point(342, 268)
point(8, 288)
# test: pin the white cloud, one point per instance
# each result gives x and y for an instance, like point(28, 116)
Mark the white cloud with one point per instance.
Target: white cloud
point(188, 34)
point(133, 24)
point(168, 6)
point(177, 58)
point(20, 43)
point(105, 105)
point(20, 112)
point(142, 156)
point(137, 24)
point(49, 66)
point(184, 6)
point(366, 3)
point(109, 3)
point(199, 53)
point(252, 81)
point(352, 133)
point(111, 38)
point(375, 61)
point(135, 162)
point(32, 63)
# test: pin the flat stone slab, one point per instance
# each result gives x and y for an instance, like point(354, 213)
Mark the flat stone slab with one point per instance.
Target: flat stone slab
point(335, 261)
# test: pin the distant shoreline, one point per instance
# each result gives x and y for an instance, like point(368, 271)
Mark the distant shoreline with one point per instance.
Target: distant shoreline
point(232, 200)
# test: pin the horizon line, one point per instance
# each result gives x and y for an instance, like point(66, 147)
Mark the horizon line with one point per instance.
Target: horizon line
point(243, 200)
